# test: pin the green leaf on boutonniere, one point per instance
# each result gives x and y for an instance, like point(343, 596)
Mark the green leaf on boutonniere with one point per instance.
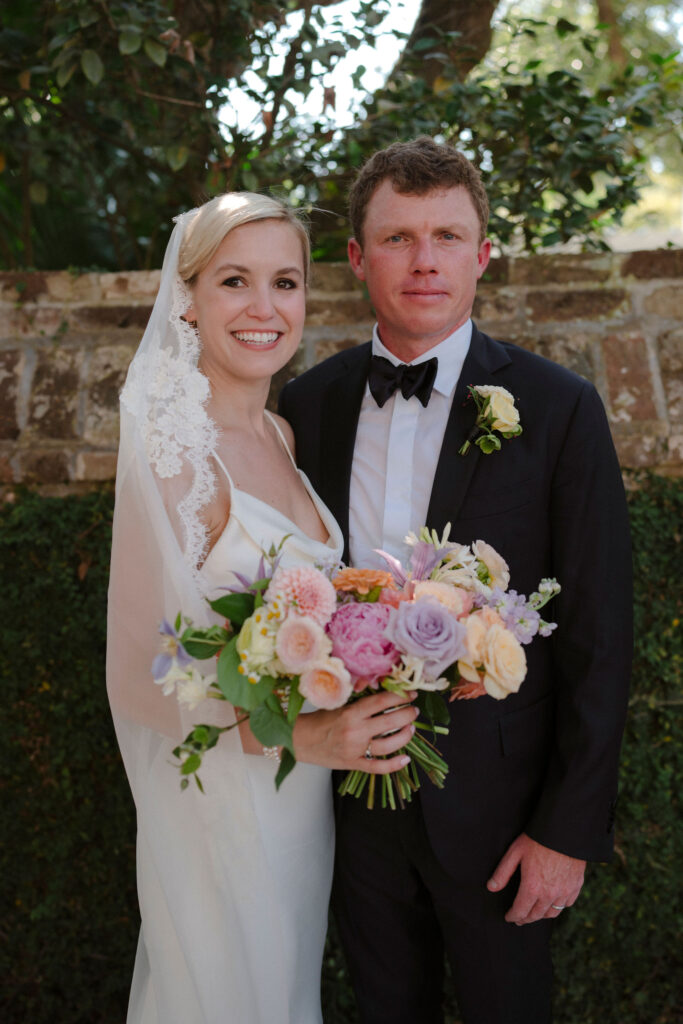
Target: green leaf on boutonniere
point(488, 443)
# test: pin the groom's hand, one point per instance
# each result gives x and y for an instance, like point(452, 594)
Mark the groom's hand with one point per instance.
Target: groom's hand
point(550, 880)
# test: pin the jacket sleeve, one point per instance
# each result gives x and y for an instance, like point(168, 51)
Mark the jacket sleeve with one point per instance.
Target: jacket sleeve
point(592, 647)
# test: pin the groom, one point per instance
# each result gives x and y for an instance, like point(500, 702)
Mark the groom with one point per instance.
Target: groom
point(479, 870)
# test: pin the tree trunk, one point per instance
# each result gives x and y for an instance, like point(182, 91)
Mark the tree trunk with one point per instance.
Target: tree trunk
point(615, 46)
point(471, 19)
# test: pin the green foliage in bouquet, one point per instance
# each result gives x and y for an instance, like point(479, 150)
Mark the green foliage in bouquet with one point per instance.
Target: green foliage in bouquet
point(67, 877)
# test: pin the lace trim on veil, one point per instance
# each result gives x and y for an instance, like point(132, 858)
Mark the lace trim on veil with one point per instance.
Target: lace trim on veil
point(167, 393)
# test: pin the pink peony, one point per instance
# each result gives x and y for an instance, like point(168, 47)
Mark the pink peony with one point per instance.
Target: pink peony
point(357, 635)
point(326, 684)
point(300, 641)
point(306, 590)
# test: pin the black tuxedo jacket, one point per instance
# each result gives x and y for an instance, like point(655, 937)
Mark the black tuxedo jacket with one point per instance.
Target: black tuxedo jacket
point(551, 501)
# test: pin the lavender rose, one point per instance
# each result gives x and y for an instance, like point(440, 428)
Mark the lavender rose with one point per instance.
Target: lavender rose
point(425, 629)
point(357, 632)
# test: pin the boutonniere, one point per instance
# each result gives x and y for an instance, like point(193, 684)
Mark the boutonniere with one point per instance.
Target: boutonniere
point(495, 412)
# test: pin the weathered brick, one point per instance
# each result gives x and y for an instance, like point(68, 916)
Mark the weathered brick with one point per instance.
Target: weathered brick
point(45, 467)
point(330, 347)
point(593, 304)
point(96, 466)
point(337, 309)
point(666, 302)
point(640, 450)
point(498, 271)
point(654, 263)
point(6, 470)
point(22, 286)
point(628, 378)
point(575, 350)
point(670, 351)
point(86, 318)
point(10, 363)
point(496, 304)
point(561, 269)
point(106, 375)
point(333, 277)
point(54, 396)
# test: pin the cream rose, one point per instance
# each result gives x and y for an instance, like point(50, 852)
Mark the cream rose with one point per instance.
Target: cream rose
point(495, 563)
point(503, 413)
point(256, 642)
point(504, 662)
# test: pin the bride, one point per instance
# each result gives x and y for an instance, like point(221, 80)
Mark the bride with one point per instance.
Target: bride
point(234, 883)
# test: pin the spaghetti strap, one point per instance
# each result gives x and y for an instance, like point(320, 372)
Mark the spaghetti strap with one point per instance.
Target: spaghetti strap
point(281, 436)
point(224, 468)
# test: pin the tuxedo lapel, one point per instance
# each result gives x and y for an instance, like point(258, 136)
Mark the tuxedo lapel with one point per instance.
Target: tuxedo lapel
point(341, 409)
point(454, 472)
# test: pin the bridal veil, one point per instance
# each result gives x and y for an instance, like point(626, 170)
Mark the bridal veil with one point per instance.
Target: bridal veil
point(205, 891)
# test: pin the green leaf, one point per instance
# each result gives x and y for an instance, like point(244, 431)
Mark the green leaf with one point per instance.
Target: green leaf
point(296, 702)
point(235, 607)
point(489, 443)
point(65, 72)
point(88, 17)
point(270, 728)
point(204, 643)
point(130, 40)
point(434, 707)
point(191, 764)
point(234, 686)
point(38, 192)
point(287, 762)
point(156, 52)
point(176, 156)
point(92, 66)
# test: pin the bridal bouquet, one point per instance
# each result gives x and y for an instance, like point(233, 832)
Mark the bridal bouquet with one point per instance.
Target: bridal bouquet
point(446, 625)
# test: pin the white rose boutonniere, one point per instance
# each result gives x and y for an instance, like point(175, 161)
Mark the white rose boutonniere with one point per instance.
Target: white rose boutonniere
point(495, 412)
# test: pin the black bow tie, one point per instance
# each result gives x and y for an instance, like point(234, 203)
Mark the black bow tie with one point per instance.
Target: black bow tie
point(413, 379)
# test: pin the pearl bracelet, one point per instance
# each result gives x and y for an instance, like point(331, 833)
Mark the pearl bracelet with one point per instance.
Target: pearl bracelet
point(272, 753)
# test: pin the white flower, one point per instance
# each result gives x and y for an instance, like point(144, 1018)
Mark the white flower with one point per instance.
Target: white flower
point(175, 676)
point(410, 673)
point(498, 568)
point(194, 688)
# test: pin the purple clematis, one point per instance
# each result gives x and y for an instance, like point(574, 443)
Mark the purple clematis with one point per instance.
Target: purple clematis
point(171, 650)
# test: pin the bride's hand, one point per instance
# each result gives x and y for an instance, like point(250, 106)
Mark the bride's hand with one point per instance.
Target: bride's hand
point(340, 739)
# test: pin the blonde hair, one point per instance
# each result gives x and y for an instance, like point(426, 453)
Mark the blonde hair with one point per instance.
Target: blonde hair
point(217, 218)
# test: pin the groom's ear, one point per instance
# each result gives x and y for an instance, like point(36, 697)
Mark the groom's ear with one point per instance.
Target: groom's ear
point(355, 254)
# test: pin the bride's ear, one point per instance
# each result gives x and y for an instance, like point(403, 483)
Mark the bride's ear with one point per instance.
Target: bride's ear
point(190, 315)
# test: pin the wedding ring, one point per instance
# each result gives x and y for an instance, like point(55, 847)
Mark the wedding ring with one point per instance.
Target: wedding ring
point(368, 752)
point(555, 906)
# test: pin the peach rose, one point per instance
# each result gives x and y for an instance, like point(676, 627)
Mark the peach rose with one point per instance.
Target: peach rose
point(362, 581)
point(457, 600)
point(299, 642)
point(504, 662)
point(327, 684)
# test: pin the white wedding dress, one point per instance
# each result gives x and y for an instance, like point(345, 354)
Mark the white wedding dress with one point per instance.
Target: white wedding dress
point(212, 951)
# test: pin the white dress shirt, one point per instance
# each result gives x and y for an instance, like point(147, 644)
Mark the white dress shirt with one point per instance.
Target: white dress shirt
point(395, 456)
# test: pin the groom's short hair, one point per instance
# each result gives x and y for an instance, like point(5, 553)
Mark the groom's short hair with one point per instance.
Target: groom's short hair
point(416, 168)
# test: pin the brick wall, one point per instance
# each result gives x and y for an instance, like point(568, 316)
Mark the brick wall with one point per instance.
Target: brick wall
point(66, 340)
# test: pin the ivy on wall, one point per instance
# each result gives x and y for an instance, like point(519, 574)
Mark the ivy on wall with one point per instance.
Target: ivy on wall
point(67, 883)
